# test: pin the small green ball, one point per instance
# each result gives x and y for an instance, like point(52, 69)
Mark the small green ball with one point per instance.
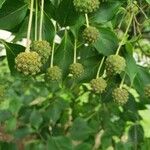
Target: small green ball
point(54, 74)
point(86, 6)
point(28, 63)
point(98, 85)
point(90, 35)
point(120, 96)
point(43, 48)
point(76, 69)
point(147, 91)
point(115, 64)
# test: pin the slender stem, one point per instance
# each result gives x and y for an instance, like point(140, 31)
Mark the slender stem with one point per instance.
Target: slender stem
point(75, 51)
point(122, 81)
point(100, 66)
point(87, 20)
point(146, 17)
point(53, 49)
point(29, 27)
point(128, 27)
point(36, 18)
point(41, 20)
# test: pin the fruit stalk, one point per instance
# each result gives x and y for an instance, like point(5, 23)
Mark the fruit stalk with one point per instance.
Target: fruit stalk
point(87, 20)
point(29, 27)
point(122, 81)
point(75, 51)
point(128, 27)
point(53, 47)
point(36, 19)
point(41, 20)
point(100, 66)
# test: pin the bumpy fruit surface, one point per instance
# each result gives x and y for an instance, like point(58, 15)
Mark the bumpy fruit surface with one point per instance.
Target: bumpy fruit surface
point(120, 96)
point(28, 63)
point(54, 74)
point(115, 64)
point(86, 6)
point(76, 69)
point(90, 35)
point(147, 91)
point(42, 48)
point(98, 85)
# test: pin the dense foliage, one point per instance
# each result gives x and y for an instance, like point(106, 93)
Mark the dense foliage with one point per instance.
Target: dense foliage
point(90, 90)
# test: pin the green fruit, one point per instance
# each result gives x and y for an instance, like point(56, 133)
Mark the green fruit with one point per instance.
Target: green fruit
point(54, 74)
point(76, 69)
point(28, 63)
point(90, 35)
point(120, 96)
point(98, 85)
point(147, 91)
point(86, 6)
point(115, 64)
point(42, 48)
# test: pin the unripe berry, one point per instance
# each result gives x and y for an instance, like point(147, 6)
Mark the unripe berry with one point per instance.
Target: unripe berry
point(54, 74)
point(115, 64)
point(90, 35)
point(76, 69)
point(28, 63)
point(147, 91)
point(86, 6)
point(42, 48)
point(120, 96)
point(98, 85)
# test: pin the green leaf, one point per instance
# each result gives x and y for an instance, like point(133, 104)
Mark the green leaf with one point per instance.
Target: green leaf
point(1, 3)
point(48, 29)
point(5, 115)
point(148, 1)
point(12, 14)
point(36, 145)
point(142, 78)
point(22, 132)
point(107, 42)
point(64, 54)
point(80, 130)
point(106, 12)
point(54, 111)
point(66, 15)
point(12, 50)
point(59, 143)
point(136, 134)
point(131, 63)
point(8, 146)
point(11, 124)
point(75, 29)
point(36, 119)
point(84, 146)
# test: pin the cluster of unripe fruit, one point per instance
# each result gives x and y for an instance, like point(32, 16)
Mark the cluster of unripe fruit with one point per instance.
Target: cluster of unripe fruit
point(30, 63)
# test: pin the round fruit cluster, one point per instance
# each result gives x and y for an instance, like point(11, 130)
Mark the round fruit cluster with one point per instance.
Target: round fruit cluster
point(28, 63)
point(98, 85)
point(54, 74)
point(86, 6)
point(76, 69)
point(90, 35)
point(43, 48)
point(115, 64)
point(120, 96)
